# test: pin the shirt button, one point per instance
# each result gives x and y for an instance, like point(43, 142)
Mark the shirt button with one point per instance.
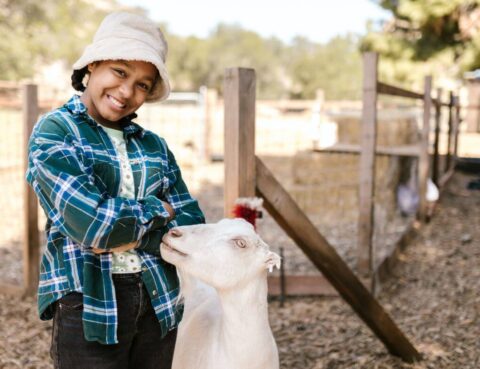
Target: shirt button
point(128, 176)
point(154, 292)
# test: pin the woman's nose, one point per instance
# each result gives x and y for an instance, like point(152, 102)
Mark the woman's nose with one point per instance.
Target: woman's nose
point(126, 90)
point(175, 232)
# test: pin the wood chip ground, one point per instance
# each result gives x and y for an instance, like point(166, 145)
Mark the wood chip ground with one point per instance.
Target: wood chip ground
point(434, 296)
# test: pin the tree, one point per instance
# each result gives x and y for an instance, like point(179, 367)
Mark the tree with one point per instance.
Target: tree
point(335, 67)
point(37, 32)
point(426, 36)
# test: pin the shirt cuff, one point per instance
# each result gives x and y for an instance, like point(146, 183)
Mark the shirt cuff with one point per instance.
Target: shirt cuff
point(154, 211)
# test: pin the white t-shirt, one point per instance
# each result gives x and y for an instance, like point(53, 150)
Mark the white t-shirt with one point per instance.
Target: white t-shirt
point(128, 261)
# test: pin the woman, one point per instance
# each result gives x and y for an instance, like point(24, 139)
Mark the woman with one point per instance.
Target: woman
point(110, 190)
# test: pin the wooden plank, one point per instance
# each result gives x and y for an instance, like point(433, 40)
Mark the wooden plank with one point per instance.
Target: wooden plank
point(405, 150)
point(31, 247)
point(365, 252)
point(445, 178)
point(455, 132)
point(11, 289)
point(9, 85)
point(239, 100)
point(423, 162)
point(387, 89)
point(386, 265)
point(298, 285)
point(290, 217)
point(450, 129)
point(438, 117)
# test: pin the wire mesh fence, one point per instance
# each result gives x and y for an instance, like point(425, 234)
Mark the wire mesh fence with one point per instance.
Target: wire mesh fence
point(325, 185)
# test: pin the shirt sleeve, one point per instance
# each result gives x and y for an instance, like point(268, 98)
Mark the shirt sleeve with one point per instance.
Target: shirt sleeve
point(187, 210)
point(67, 192)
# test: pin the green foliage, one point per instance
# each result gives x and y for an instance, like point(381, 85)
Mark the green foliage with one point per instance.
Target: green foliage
point(334, 67)
point(35, 33)
point(283, 71)
point(439, 37)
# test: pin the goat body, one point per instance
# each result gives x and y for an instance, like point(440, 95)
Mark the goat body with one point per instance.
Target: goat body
point(224, 286)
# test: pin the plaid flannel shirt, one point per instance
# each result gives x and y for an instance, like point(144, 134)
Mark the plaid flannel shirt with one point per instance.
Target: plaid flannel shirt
point(75, 172)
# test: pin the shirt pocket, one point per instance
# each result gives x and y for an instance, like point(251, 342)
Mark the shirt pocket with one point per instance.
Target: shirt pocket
point(157, 182)
point(105, 176)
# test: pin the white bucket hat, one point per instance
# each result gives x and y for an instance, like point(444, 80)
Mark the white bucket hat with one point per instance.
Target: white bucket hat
point(127, 36)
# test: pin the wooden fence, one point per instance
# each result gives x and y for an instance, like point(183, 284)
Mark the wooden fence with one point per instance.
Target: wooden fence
point(429, 164)
point(246, 175)
point(31, 244)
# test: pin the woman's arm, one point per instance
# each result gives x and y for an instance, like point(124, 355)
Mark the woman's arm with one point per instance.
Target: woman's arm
point(72, 201)
point(133, 245)
point(187, 211)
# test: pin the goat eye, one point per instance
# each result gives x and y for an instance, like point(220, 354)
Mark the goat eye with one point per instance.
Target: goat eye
point(240, 243)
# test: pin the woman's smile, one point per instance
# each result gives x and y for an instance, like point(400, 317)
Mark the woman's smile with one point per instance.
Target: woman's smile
point(116, 102)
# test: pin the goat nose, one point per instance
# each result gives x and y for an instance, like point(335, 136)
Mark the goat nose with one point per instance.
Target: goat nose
point(175, 232)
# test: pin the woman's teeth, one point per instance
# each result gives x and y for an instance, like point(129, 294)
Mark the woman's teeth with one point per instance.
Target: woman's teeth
point(116, 102)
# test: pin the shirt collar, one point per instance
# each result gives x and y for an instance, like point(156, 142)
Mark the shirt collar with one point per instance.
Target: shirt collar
point(77, 107)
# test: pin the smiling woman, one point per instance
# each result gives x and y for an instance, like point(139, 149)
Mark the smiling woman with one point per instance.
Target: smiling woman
point(117, 88)
point(110, 190)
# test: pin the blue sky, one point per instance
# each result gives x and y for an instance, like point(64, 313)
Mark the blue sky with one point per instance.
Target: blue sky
point(318, 20)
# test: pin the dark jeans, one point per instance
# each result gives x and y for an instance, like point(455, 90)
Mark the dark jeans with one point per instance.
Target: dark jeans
point(140, 344)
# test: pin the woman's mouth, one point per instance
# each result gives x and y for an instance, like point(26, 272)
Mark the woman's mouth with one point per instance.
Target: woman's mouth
point(117, 103)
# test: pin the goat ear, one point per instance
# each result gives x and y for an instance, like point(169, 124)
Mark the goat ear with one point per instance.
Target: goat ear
point(272, 260)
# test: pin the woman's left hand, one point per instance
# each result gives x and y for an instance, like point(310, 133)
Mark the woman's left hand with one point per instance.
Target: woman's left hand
point(123, 248)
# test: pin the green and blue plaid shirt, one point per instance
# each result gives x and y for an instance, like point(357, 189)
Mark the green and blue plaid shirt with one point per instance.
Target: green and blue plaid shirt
point(75, 172)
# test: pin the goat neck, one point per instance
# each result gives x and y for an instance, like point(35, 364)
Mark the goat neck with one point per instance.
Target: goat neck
point(245, 326)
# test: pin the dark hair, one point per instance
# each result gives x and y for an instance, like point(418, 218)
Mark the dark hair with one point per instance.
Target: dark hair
point(77, 78)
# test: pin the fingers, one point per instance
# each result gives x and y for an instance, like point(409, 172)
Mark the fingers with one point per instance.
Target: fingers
point(169, 208)
point(99, 251)
point(123, 248)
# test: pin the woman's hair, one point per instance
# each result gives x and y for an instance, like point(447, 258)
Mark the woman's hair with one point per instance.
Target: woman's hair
point(77, 78)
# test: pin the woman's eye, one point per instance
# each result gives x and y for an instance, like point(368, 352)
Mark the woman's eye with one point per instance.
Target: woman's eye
point(120, 72)
point(240, 243)
point(144, 87)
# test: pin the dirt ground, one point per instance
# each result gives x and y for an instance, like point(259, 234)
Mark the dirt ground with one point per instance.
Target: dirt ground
point(434, 296)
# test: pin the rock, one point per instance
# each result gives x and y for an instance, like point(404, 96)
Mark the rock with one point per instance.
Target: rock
point(466, 238)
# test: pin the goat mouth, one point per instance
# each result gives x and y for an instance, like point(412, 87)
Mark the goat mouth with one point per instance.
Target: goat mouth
point(168, 247)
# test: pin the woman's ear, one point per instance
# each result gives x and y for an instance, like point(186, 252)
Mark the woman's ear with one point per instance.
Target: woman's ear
point(91, 66)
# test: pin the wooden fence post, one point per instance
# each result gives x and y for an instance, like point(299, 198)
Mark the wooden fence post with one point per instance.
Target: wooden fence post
point(365, 252)
point(239, 153)
point(438, 118)
point(456, 131)
point(424, 159)
point(31, 245)
point(451, 108)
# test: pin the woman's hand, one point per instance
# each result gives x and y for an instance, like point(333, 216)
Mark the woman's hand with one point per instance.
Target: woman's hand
point(170, 210)
point(132, 245)
point(123, 248)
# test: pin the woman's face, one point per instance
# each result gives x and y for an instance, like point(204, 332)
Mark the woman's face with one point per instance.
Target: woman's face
point(117, 88)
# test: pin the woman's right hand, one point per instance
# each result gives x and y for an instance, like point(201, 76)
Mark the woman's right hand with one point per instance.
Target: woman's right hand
point(170, 210)
point(123, 248)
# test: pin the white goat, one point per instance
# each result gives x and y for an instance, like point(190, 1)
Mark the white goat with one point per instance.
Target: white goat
point(223, 279)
